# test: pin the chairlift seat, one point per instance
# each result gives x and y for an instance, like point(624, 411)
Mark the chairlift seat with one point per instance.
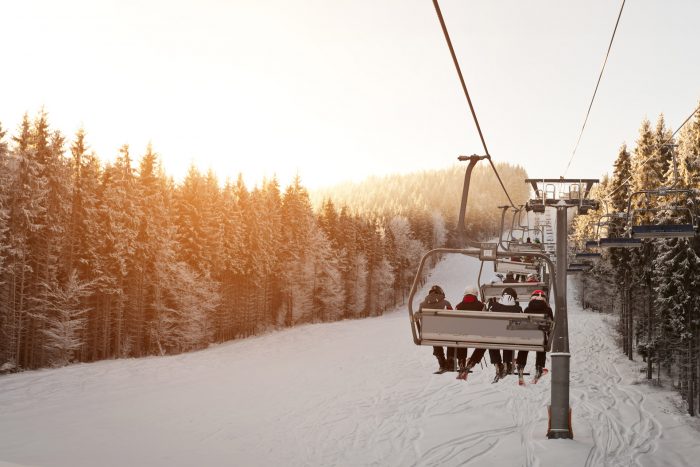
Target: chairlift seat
point(485, 329)
point(585, 255)
point(514, 267)
point(523, 289)
point(620, 242)
point(663, 231)
point(525, 247)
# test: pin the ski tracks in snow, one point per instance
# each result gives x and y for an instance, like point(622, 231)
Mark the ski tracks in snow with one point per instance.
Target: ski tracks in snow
point(611, 409)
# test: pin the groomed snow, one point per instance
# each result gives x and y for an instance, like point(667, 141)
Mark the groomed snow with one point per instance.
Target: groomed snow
point(346, 393)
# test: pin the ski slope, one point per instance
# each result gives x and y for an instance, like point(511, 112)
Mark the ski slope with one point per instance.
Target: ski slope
point(346, 393)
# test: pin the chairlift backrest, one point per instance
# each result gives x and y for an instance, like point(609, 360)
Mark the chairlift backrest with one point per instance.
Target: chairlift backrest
point(485, 329)
point(664, 231)
point(523, 289)
point(514, 267)
point(620, 242)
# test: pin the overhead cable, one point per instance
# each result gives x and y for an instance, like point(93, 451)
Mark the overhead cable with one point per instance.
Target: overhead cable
point(466, 93)
point(590, 106)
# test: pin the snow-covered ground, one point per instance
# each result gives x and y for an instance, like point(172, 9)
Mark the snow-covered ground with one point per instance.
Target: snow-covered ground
point(346, 393)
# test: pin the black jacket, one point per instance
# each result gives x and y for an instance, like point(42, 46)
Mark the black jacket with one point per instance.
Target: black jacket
point(495, 306)
point(539, 307)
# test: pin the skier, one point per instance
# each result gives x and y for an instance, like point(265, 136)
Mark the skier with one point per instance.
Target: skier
point(510, 278)
point(498, 279)
point(470, 301)
point(436, 301)
point(538, 305)
point(508, 303)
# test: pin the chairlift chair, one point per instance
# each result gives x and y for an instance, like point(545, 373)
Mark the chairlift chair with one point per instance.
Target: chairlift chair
point(619, 242)
point(514, 267)
point(482, 329)
point(588, 255)
point(687, 228)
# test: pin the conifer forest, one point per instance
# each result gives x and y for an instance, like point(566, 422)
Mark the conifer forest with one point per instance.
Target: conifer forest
point(109, 260)
point(654, 289)
point(115, 259)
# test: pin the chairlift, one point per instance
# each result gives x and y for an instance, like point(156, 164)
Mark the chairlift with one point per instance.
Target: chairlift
point(591, 244)
point(523, 289)
point(615, 241)
point(514, 267)
point(686, 228)
point(482, 329)
point(574, 192)
point(588, 255)
point(619, 242)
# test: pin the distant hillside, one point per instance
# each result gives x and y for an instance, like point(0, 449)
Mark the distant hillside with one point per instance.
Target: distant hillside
point(434, 190)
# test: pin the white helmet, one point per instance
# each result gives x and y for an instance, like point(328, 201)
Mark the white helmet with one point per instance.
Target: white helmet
point(470, 290)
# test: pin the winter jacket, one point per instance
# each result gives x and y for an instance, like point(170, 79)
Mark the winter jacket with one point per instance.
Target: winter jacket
point(435, 301)
point(470, 302)
point(502, 305)
point(539, 307)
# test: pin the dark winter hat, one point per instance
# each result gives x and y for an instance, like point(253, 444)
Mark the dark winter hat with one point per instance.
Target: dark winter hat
point(510, 291)
point(437, 289)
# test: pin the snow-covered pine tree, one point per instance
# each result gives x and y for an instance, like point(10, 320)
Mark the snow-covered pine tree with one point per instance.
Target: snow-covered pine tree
point(153, 229)
point(328, 290)
point(297, 263)
point(118, 215)
point(232, 257)
point(407, 252)
point(63, 318)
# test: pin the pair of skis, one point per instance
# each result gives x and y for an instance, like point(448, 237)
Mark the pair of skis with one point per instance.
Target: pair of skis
point(521, 378)
point(460, 374)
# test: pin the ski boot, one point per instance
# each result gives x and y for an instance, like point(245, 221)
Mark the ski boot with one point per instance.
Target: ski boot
point(521, 377)
point(443, 365)
point(463, 371)
point(500, 372)
point(540, 371)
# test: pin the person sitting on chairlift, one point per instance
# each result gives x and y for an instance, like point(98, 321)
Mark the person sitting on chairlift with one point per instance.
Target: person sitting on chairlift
point(470, 302)
point(436, 301)
point(508, 303)
point(510, 278)
point(537, 305)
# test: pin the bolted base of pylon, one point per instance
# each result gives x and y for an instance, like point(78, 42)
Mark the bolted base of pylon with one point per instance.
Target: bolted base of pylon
point(558, 433)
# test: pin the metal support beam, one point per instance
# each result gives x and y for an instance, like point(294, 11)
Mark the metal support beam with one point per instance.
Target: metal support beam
point(560, 416)
point(461, 226)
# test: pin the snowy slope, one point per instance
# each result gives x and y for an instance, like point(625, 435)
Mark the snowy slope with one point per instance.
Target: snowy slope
point(346, 393)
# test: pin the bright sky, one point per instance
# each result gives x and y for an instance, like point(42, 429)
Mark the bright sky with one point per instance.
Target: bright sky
point(344, 89)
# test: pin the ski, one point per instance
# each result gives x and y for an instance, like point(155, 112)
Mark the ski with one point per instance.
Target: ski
point(496, 379)
point(463, 374)
point(440, 371)
point(537, 378)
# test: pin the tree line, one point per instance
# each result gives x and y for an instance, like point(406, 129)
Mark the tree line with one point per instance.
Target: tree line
point(654, 289)
point(108, 260)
